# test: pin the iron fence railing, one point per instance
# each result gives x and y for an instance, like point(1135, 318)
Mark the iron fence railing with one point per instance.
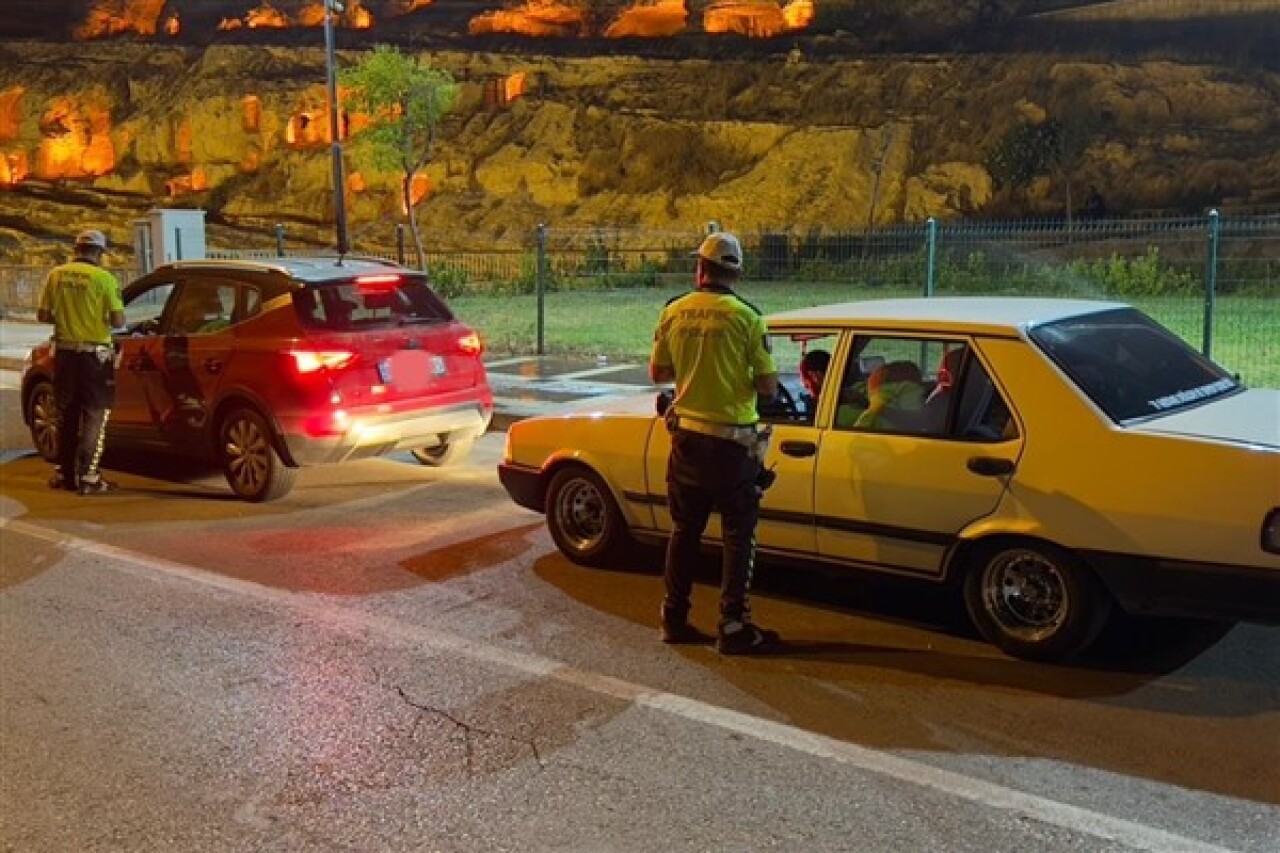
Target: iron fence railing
point(1213, 279)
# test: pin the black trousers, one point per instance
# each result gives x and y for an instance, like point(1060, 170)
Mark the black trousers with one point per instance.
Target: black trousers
point(85, 390)
point(705, 474)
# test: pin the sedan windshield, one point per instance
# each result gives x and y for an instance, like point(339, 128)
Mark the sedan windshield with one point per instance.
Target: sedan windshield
point(1131, 366)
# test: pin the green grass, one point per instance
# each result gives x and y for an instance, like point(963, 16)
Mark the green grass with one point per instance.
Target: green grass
point(619, 323)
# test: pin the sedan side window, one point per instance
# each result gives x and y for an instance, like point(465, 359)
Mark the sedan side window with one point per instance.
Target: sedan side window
point(885, 383)
point(980, 413)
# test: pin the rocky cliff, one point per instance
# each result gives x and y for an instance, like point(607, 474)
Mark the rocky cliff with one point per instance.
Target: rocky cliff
point(98, 132)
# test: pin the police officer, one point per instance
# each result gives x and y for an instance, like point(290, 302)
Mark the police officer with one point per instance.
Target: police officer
point(713, 345)
point(82, 301)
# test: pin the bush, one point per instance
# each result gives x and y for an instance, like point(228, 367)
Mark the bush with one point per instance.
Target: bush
point(450, 282)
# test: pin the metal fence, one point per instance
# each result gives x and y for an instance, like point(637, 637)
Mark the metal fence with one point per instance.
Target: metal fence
point(1214, 279)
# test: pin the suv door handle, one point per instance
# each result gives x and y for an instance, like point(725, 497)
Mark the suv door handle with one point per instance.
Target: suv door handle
point(213, 365)
point(990, 466)
point(798, 449)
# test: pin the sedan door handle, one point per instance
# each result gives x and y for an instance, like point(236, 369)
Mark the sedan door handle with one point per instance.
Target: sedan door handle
point(990, 466)
point(798, 449)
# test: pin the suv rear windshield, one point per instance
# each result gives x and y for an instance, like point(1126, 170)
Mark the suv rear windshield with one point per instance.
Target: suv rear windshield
point(1131, 366)
point(369, 301)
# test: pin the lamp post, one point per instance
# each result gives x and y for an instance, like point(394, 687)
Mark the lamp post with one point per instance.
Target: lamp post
point(332, 7)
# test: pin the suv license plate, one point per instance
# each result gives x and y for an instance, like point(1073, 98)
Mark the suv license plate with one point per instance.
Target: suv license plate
point(384, 371)
point(437, 365)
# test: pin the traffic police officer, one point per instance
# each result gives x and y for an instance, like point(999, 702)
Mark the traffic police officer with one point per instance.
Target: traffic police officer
point(712, 344)
point(82, 301)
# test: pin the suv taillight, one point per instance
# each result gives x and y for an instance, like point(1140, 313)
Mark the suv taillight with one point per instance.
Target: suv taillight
point(309, 361)
point(471, 344)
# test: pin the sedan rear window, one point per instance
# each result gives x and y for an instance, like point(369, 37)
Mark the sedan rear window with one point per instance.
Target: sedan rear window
point(369, 301)
point(1131, 366)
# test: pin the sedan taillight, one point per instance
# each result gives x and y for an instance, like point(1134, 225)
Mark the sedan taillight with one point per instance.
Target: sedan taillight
point(309, 361)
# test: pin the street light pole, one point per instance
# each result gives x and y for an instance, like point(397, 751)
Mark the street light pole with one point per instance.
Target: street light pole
point(335, 140)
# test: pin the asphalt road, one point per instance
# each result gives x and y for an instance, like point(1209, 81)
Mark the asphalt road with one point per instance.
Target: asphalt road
point(395, 658)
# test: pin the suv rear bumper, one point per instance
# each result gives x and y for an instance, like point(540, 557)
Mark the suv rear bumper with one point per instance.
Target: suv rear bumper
point(381, 434)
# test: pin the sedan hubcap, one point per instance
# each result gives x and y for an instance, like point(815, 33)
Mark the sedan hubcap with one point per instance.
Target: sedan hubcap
point(1026, 594)
point(580, 514)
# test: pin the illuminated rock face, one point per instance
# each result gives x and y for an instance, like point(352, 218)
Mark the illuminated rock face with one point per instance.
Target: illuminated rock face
point(766, 143)
point(105, 18)
point(101, 19)
point(76, 138)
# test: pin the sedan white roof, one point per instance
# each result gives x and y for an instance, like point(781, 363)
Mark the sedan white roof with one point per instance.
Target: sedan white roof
point(990, 314)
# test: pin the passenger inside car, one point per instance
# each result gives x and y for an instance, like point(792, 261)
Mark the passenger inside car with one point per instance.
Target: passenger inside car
point(895, 399)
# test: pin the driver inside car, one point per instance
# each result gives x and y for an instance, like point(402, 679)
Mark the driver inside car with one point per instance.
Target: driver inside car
point(813, 372)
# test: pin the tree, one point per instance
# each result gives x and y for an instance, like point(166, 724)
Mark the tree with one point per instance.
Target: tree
point(1051, 147)
point(406, 102)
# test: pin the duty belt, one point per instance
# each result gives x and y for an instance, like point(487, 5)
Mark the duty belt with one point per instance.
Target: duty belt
point(740, 434)
point(80, 346)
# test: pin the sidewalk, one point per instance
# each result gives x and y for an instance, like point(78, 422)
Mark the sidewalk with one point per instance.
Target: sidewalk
point(523, 386)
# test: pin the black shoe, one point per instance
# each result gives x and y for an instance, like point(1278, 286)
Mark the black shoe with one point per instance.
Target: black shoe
point(684, 634)
point(100, 486)
point(57, 481)
point(743, 638)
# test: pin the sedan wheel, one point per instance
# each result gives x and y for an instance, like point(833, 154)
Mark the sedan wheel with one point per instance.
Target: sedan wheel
point(247, 454)
point(584, 519)
point(1035, 601)
point(44, 421)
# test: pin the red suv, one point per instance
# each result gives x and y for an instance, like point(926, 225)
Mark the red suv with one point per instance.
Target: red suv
point(266, 366)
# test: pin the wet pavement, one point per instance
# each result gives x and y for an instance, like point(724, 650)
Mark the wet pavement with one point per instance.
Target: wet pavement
point(523, 385)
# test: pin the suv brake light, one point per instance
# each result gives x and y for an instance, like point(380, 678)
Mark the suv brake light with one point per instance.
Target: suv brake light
point(377, 283)
point(471, 344)
point(309, 361)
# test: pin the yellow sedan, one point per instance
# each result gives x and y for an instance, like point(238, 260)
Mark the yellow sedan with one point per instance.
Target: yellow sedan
point(1052, 459)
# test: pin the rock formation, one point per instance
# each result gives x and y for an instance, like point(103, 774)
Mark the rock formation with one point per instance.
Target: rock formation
point(97, 132)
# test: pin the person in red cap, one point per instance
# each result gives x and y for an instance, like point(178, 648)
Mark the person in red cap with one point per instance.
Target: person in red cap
point(713, 345)
point(82, 301)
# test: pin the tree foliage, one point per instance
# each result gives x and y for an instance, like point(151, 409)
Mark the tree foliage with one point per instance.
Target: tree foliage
point(406, 102)
point(1052, 147)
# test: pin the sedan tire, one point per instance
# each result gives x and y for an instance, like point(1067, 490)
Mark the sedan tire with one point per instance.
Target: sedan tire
point(1034, 600)
point(247, 454)
point(584, 519)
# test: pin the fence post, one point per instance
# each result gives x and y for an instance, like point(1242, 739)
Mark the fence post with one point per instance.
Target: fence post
point(279, 239)
point(542, 286)
point(931, 268)
point(1211, 281)
point(400, 243)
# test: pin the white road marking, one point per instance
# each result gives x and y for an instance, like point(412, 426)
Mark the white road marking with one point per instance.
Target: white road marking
point(596, 371)
point(503, 362)
point(989, 794)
